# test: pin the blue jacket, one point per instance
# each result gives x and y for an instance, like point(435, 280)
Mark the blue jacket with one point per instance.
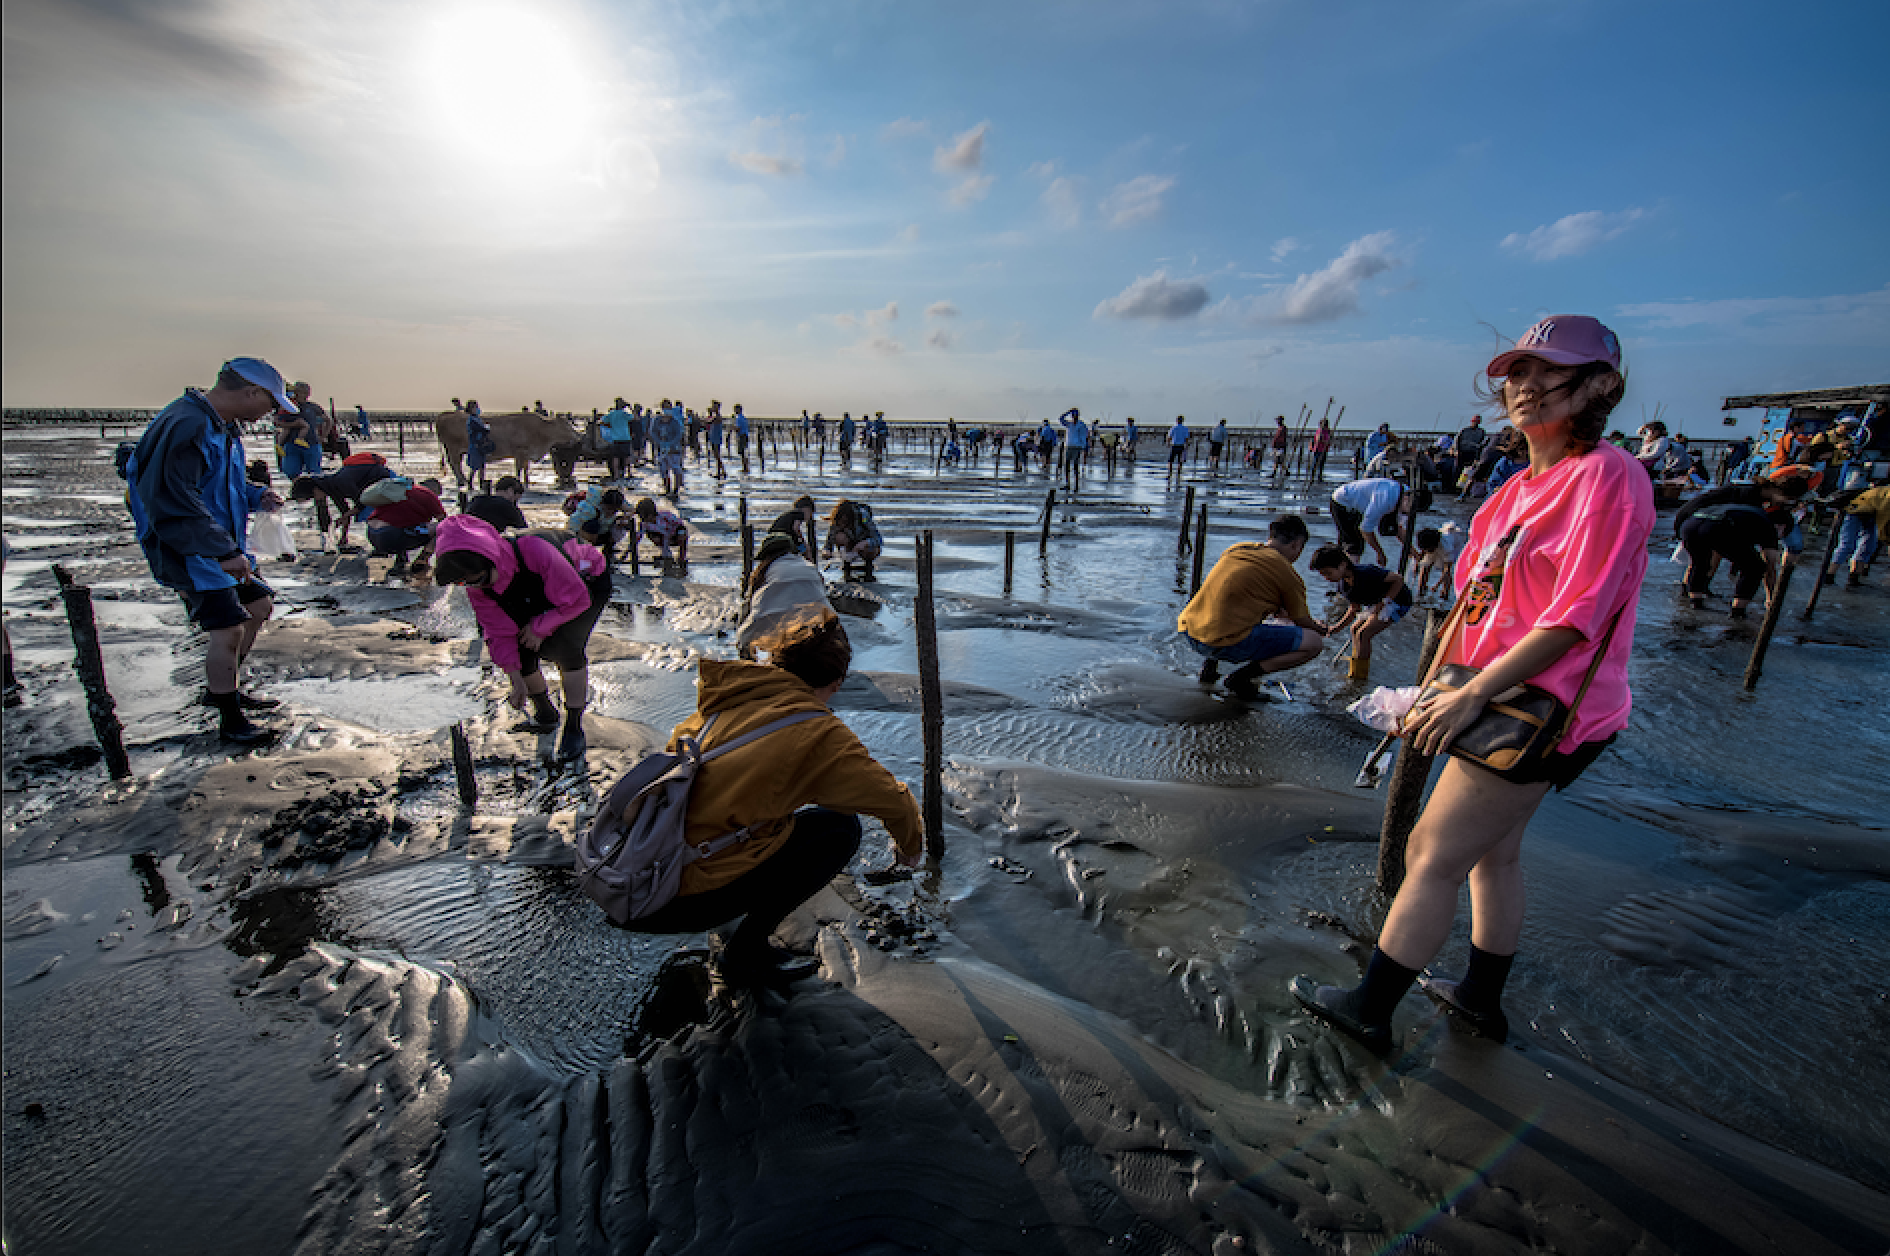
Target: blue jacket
point(188, 496)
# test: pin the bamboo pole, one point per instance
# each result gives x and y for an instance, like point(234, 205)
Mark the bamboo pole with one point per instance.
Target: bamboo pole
point(91, 666)
point(1010, 559)
point(1187, 518)
point(748, 553)
point(931, 704)
point(463, 775)
point(1405, 796)
point(1824, 568)
point(1200, 551)
point(1755, 667)
point(1049, 510)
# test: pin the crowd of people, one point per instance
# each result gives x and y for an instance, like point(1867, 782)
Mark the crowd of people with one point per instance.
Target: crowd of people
point(1544, 586)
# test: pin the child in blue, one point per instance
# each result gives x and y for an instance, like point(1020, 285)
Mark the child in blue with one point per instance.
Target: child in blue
point(1375, 600)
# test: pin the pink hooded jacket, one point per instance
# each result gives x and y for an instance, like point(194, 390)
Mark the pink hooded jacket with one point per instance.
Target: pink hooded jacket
point(563, 585)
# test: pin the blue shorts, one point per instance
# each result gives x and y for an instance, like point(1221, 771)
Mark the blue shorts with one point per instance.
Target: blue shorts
point(223, 608)
point(1264, 642)
point(297, 460)
point(1393, 612)
point(387, 539)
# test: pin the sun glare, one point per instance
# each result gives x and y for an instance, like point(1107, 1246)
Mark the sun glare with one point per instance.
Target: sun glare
point(508, 87)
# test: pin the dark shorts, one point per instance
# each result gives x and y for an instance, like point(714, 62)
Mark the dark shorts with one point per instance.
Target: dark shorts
point(565, 648)
point(1177, 452)
point(1561, 770)
point(1214, 448)
point(384, 539)
point(623, 449)
point(1350, 524)
point(223, 608)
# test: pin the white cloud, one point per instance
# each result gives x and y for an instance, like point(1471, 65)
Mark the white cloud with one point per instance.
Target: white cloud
point(909, 234)
point(1137, 201)
point(837, 153)
point(904, 128)
point(1331, 292)
point(1156, 297)
point(1064, 201)
point(1572, 235)
point(941, 309)
point(885, 344)
point(1845, 318)
point(973, 189)
point(965, 152)
point(1285, 245)
point(764, 163)
point(941, 338)
point(1042, 169)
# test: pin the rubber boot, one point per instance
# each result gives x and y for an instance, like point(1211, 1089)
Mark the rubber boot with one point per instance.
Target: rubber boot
point(1477, 1000)
point(1853, 581)
point(544, 716)
point(1360, 669)
point(1364, 1011)
point(232, 725)
point(571, 742)
point(866, 574)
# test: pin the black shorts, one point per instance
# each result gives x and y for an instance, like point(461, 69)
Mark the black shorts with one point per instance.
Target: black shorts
point(1176, 453)
point(565, 647)
point(1350, 524)
point(223, 608)
point(1561, 770)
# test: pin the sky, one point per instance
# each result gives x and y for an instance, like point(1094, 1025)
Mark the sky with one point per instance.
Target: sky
point(977, 210)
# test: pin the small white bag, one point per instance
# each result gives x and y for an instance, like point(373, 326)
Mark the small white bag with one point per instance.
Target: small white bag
point(269, 537)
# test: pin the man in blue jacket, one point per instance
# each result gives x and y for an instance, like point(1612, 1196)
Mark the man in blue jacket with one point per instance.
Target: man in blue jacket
point(190, 503)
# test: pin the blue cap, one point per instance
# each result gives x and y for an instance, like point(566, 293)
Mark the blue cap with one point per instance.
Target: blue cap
point(263, 375)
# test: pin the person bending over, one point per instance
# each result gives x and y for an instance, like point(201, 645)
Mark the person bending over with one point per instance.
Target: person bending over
point(500, 507)
point(599, 520)
point(799, 793)
point(1740, 523)
point(665, 527)
point(534, 599)
point(797, 522)
point(1435, 551)
point(1364, 509)
point(852, 534)
point(1251, 583)
point(1375, 600)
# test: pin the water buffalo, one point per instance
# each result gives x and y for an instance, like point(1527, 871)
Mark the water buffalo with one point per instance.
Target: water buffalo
point(523, 437)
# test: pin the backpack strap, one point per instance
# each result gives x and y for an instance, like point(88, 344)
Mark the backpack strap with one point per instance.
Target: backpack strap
point(798, 717)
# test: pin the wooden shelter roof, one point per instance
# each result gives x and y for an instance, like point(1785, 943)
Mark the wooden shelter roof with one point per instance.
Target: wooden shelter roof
point(1857, 395)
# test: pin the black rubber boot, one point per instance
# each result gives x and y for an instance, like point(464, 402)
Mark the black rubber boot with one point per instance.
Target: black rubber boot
point(571, 742)
point(232, 725)
point(1364, 1011)
point(1210, 672)
point(867, 576)
point(544, 716)
point(1477, 1000)
point(1242, 684)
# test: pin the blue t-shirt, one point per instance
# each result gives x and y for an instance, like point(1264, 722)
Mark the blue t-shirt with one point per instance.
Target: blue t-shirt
point(616, 425)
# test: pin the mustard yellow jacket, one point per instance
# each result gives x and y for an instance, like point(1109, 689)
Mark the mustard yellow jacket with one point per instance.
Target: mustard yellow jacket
point(761, 785)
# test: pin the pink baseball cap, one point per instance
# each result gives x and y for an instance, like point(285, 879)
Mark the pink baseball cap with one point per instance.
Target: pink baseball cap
point(1564, 339)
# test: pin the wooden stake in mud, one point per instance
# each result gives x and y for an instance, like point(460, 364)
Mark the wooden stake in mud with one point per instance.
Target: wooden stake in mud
point(1049, 510)
point(748, 551)
point(1756, 666)
point(1410, 532)
point(931, 704)
point(1405, 796)
point(91, 663)
point(1010, 559)
point(1824, 569)
point(463, 768)
point(400, 431)
point(1187, 517)
point(1200, 551)
point(744, 510)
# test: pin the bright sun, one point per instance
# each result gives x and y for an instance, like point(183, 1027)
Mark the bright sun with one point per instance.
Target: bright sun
point(508, 86)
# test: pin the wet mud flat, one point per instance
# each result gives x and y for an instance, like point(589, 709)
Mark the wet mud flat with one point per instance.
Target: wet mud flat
point(301, 1000)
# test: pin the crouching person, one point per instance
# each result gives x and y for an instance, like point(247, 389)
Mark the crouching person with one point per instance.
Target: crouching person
point(818, 764)
point(534, 600)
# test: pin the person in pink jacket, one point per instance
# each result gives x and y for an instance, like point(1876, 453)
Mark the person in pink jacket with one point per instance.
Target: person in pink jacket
point(1549, 577)
point(534, 600)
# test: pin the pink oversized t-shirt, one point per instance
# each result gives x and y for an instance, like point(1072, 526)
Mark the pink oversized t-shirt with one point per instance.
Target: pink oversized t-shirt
point(1565, 549)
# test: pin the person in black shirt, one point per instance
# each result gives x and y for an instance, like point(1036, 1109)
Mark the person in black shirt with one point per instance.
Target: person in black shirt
point(797, 521)
point(500, 507)
point(1740, 523)
point(341, 489)
point(1375, 600)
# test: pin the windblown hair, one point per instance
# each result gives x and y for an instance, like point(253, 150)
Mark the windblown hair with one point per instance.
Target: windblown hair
point(1330, 556)
point(1586, 428)
point(812, 645)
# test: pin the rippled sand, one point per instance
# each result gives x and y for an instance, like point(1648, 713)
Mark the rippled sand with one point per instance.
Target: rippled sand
point(301, 1001)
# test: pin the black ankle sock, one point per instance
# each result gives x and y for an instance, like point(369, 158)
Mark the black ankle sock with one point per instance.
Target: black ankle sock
point(574, 718)
point(542, 708)
point(1386, 981)
point(1481, 989)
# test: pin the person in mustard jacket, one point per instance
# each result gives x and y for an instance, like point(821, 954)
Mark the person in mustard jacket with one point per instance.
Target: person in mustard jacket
point(790, 853)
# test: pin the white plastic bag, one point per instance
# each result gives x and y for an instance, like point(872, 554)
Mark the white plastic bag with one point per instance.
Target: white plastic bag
point(1384, 706)
point(269, 537)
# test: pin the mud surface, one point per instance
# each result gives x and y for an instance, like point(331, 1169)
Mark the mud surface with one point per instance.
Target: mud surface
point(300, 1000)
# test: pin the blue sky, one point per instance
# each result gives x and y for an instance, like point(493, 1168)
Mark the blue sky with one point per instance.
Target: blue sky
point(979, 210)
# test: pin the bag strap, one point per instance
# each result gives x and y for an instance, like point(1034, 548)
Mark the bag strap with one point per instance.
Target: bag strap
point(1594, 665)
point(798, 717)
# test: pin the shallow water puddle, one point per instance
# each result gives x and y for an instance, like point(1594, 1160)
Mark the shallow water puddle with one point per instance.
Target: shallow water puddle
point(393, 704)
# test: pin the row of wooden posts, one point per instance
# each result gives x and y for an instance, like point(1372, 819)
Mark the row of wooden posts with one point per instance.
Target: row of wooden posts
point(1408, 776)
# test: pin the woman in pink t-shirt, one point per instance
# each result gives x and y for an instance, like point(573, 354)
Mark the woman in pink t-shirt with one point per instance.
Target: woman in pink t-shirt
point(1550, 575)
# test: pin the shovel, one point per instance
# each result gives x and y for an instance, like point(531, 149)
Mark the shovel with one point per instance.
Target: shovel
point(1368, 775)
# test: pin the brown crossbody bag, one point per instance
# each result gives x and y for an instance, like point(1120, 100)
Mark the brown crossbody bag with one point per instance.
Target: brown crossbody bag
point(1522, 726)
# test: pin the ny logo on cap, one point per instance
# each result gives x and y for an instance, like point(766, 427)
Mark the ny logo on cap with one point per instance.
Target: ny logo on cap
point(1540, 334)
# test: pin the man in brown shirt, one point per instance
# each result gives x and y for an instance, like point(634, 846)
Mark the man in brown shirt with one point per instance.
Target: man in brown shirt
point(1226, 622)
